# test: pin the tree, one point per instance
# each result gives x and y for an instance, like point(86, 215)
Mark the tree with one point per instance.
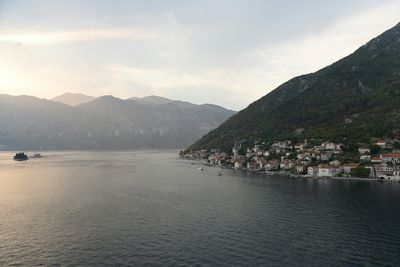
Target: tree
point(360, 172)
point(375, 149)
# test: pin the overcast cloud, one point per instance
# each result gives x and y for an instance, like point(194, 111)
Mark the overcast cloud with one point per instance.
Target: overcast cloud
point(226, 52)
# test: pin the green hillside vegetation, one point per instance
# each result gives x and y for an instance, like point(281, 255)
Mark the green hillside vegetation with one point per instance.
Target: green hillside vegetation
point(351, 101)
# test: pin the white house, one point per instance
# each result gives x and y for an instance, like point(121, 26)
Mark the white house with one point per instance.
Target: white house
point(365, 158)
point(331, 146)
point(312, 171)
point(364, 150)
point(238, 165)
point(325, 170)
point(381, 143)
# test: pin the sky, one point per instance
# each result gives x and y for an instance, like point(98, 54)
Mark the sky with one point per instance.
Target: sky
point(225, 52)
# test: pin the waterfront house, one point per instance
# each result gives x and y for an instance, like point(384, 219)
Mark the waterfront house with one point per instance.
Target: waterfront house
point(312, 171)
point(238, 165)
point(213, 159)
point(261, 163)
point(252, 165)
point(393, 176)
point(383, 169)
point(326, 170)
point(347, 167)
point(286, 165)
point(299, 168)
point(396, 173)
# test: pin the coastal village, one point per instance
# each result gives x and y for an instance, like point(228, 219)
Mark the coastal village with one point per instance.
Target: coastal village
point(310, 158)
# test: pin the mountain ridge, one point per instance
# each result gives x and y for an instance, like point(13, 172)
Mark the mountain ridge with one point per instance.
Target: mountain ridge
point(106, 122)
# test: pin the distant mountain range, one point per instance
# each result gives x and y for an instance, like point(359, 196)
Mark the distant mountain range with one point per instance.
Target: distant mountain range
point(351, 101)
point(75, 121)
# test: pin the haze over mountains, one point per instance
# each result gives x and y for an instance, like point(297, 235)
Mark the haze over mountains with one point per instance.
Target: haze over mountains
point(73, 99)
point(351, 101)
point(106, 122)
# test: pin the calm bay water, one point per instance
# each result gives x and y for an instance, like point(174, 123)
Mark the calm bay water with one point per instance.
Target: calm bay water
point(141, 208)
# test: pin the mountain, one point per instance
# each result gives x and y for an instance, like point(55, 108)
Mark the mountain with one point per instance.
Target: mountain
point(73, 99)
point(156, 121)
point(107, 122)
point(350, 101)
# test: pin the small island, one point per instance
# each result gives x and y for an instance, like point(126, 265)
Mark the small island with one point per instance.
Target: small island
point(21, 156)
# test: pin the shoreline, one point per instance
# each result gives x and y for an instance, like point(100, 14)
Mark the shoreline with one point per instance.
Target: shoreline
point(369, 179)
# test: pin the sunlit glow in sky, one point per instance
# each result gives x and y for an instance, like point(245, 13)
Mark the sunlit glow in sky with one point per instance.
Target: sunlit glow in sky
point(226, 52)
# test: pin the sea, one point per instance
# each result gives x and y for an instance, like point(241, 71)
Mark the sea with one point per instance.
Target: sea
point(150, 208)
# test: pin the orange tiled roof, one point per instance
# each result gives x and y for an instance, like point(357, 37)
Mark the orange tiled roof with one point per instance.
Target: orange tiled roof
point(391, 155)
point(327, 166)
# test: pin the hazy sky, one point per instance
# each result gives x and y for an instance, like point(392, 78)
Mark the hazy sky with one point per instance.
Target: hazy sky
point(227, 52)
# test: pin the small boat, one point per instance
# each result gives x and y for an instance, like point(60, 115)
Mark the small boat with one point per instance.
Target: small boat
point(200, 169)
point(219, 173)
point(21, 156)
point(37, 155)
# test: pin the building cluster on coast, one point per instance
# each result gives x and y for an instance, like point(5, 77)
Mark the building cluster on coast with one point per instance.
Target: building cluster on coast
point(380, 160)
